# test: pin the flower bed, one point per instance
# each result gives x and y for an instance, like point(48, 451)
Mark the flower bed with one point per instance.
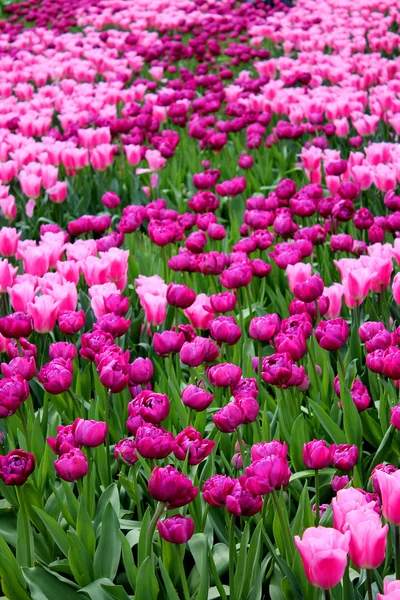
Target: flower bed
point(199, 329)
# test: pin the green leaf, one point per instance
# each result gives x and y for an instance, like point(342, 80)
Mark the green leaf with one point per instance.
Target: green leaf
point(110, 495)
point(241, 562)
point(25, 549)
point(299, 437)
point(253, 557)
point(328, 424)
point(147, 587)
point(128, 562)
point(108, 552)
point(142, 546)
point(169, 586)
point(45, 585)
point(12, 581)
point(204, 573)
point(85, 529)
point(56, 532)
point(304, 516)
point(79, 560)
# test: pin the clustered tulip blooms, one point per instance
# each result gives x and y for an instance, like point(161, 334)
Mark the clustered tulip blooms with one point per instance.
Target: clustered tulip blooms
point(199, 290)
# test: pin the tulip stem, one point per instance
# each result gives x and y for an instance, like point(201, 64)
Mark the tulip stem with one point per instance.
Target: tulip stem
point(165, 263)
point(259, 370)
point(158, 512)
point(182, 574)
point(21, 415)
point(369, 584)
point(287, 534)
point(240, 307)
point(107, 413)
point(134, 472)
point(317, 501)
point(327, 595)
point(397, 550)
point(20, 352)
point(341, 363)
point(241, 446)
point(232, 556)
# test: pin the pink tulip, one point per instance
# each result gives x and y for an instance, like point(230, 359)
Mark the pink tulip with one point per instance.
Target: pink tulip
point(44, 312)
point(152, 292)
point(298, 273)
point(390, 493)
point(7, 274)
point(30, 185)
point(391, 590)
point(396, 288)
point(367, 539)
point(335, 295)
point(133, 154)
point(324, 554)
point(198, 315)
point(9, 241)
point(347, 501)
point(20, 294)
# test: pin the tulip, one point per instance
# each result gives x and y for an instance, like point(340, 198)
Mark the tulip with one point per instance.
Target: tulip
point(236, 276)
point(180, 295)
point(93, 343)
point(140, 371)
point(344, 457)
point(9, 241)
point(228, 418)
point(367, 539)
point(223, 302)
point(224, 375)
point(277, 369)
point(152, 407)
point(216, 489)
point(110, 200)
point(62, 350)
point(20, 365)
point(197, 314)
point(317, 454)
point(194, 353)
point(347, 501)
point(225, 330)
point(264, 328)
point(70, 322)
point(16, 325)
point(154, 442)
point(44, 312)
point(264, 449)
point(245, 386)
point(339, 483)
point(114, 375)
point(125, 450)
point(168, 342)
point(56, 376)
point(16, 466)
point(332, 334)
point(390, 492)
point(190, 443)
point(117, 304)
point(176, 529)
point(65, 440)
point(196, 398)
point(168, 485)
point(242, 503)
point(89, 433)
point(249, 407)
point(323, 552)
point(391, 590)
point(267, 474)
point(293, 344)
point(71, 465)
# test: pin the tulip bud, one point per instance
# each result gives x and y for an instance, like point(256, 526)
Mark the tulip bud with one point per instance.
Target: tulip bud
point(317, 454)
point(16, 325)
point(56, 375)
point(125, 450)
point(196, 398)
point(345, 457)
point(166, 484)
point(180, 295)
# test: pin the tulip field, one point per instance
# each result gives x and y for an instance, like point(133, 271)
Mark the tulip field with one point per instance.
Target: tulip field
point(200, 300)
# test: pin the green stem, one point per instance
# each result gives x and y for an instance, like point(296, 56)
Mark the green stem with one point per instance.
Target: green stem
point(21, 415)
point(240, 308)
point(260, 357)
point(232, 556)
point(341, 363)
point(287, 534)
point(241, 446)
point(176, 319)
point(182, 574)
point(134, 472)
point(369, 584)
point(108, 459)
point(165, 262)
point(158, 512)
point(327, 594)
point(317, 501)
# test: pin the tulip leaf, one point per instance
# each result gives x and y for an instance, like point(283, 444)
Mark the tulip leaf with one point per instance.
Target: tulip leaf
point(108, 551)
point(80, 561)
point(128, 561)
point(328, 424)
point(169, 586)
point(57, 533)
point(351, 416)
point(45, 585)
point(85, 529)
point(147, 587)
point(142, 546)
point(11, 577)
